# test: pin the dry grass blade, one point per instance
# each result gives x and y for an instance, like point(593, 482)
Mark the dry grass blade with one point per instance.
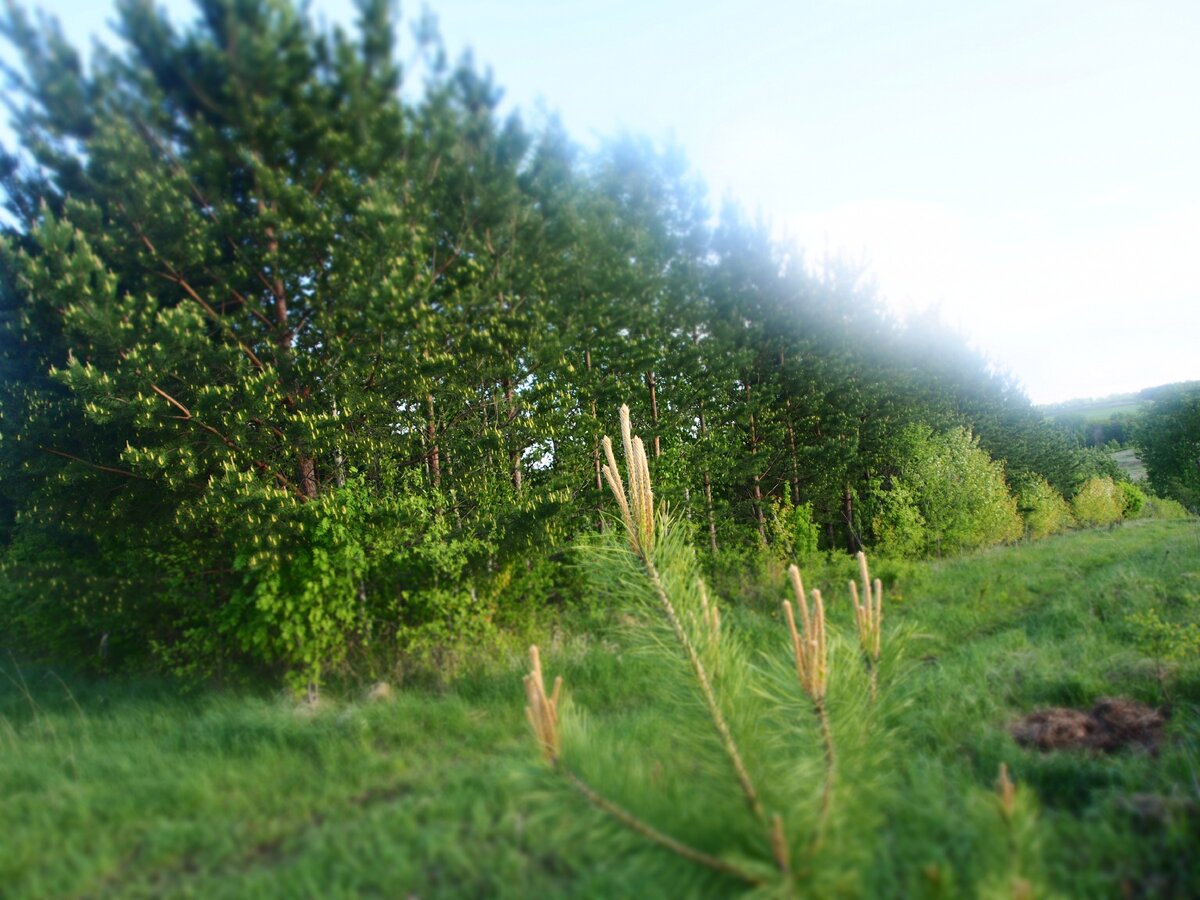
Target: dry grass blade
point(710, 616)
point(811, 649)
point(868, 610)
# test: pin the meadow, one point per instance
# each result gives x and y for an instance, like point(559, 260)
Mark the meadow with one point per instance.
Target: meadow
point(141, 788)
point(1131, 464)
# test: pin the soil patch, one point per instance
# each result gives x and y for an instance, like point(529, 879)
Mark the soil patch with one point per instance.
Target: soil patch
point(1114, 723)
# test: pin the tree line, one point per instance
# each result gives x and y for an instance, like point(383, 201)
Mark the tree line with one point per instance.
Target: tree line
point(295, 365)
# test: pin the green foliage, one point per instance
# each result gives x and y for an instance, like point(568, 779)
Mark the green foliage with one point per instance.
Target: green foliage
point(1133, 499)
point(1096, 462)
point(1098, 502)
point(214, 794)
point(295, 362)
point(1158, 508)
point(958, 491)
point(1168, 441)
point(897, 523)
point(1043, 508)
point(1165, 640)
point(791, 531)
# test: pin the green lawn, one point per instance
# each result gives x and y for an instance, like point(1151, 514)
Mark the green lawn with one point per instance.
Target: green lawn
point(114, 788)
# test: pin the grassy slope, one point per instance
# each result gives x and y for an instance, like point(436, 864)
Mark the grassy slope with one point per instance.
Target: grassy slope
point(120, 789)
point(1132, 466)
point(1099, 409)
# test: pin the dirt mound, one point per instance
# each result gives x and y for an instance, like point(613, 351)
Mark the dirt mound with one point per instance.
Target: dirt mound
point(1112, 724)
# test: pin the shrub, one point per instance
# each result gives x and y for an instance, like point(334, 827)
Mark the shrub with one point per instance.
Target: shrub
point(1095, 462)
point(1168, 440)
point(959, 491)
point(1043, 508)
point(1099, 502)
point(1133, 499)
point(761, 770)
point(791, 529)
point(897, 523)
point(1163, 508)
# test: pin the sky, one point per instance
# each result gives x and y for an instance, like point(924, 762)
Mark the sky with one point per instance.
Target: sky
point(1031, 170)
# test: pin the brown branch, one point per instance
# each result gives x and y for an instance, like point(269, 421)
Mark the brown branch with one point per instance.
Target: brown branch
point(274, 429)
point(370, 382)
point(186, 415)
point(78, 459)
point(178, 279)
point(439, 272)
point(244, 302)
point(316, 188)
point(175, 277)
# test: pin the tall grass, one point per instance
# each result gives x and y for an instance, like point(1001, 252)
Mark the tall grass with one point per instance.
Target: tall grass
point(113, 788)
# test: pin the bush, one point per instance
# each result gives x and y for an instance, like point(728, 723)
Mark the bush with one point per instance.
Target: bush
point(1095, 462)
point(897, 523)
point(1133, 499)
point(1043, 508)
point(1099, 502)
point(791, 530)
point(959, 491)
point(1163, 508)
point(1168, 439)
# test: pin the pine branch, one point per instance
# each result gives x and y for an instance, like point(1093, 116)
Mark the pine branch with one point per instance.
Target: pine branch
point(93, 465)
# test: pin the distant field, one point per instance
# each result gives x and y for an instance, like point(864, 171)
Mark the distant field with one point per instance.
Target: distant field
point(134, 789)
point(1102, 412)
point(1130, 464)
point(1096, 410)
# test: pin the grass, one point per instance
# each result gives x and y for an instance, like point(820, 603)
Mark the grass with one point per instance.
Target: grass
point(1130, 464)
point(116, 788)
point(1098, 410)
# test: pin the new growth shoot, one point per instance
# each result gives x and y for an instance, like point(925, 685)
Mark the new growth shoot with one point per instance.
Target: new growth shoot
point(809, 642)
point(712, 661)
point(542, 711)
point(637, 510)
point(868, 618)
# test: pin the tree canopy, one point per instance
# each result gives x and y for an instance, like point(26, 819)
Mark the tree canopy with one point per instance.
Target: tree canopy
point(293, 365)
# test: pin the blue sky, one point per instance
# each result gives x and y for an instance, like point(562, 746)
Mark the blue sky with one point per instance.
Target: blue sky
point(1032, 169)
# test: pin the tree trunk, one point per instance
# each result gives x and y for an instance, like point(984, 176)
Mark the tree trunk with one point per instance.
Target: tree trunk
point(758, 496)
point(515, 453)
point(435, 458)
point(791, 433)
point(651, 384)
point(708, 500)
point(587, 359)
point(306, 469)
point(848, 515)
point(339, 463)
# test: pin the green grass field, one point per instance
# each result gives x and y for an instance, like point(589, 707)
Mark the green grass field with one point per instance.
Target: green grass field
point(1098, 410)
point(132, 789)
point(1102, 412)
point(1130, 464)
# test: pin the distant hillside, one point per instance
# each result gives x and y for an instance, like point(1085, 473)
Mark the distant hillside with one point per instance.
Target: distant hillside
point(1101, 409)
